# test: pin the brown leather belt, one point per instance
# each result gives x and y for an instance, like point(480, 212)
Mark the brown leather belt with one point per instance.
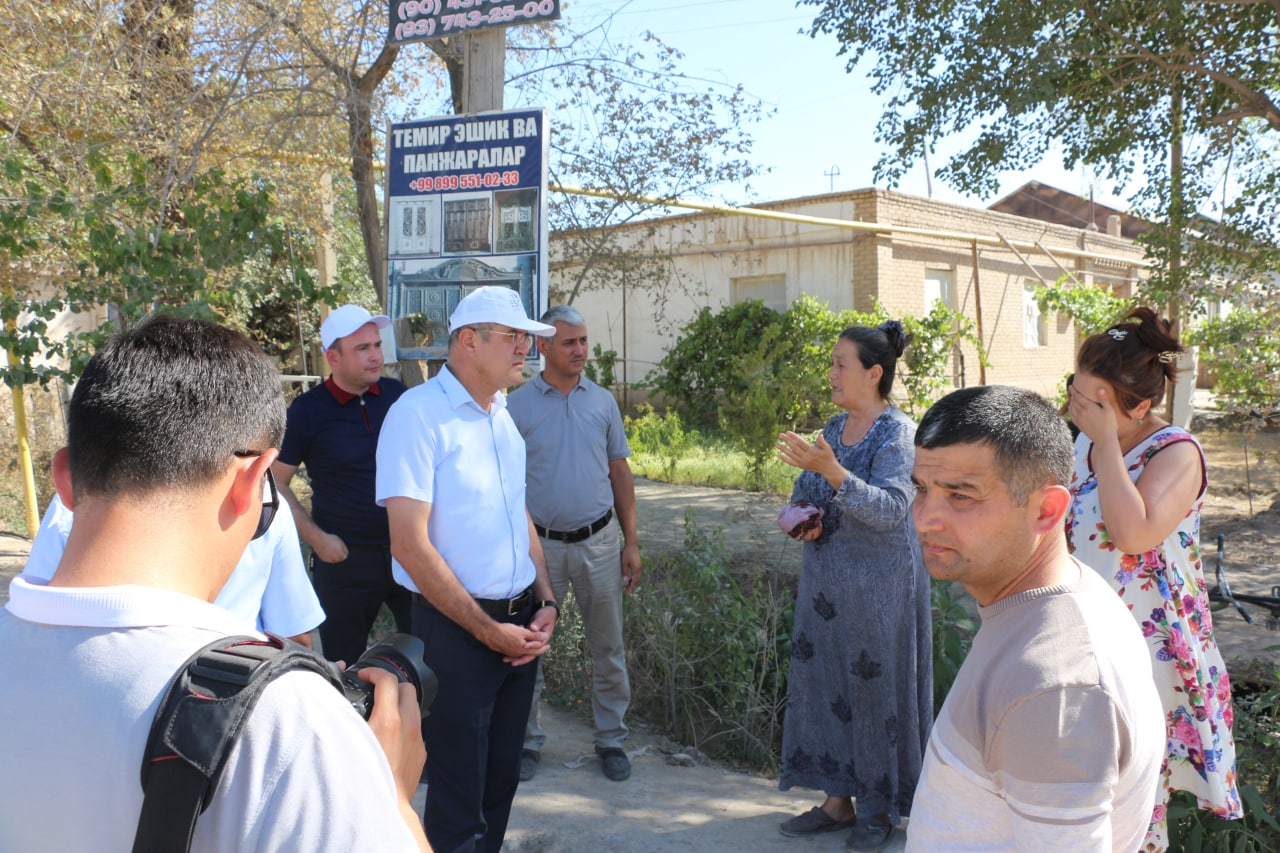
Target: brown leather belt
point(571, 536)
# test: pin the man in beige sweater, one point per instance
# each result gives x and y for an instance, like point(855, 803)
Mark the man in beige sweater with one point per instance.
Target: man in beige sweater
point(1052, 735)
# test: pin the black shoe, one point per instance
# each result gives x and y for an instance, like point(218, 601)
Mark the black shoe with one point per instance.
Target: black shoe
point(813, 822)
point(869, 836)
point(528, 764)
point(614, 762)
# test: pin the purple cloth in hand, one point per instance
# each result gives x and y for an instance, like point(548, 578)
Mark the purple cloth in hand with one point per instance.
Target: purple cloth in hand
point(799, 518)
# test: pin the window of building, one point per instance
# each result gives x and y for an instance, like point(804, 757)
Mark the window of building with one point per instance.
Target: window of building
point(939, 286)
point(769, 289)
point(1035, 329)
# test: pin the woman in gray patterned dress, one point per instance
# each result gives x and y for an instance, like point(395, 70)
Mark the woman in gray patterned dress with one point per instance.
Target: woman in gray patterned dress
point(860, 693)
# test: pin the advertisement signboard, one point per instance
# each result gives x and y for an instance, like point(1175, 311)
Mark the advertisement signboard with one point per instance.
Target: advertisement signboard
point(418, 20)
point(466, 207)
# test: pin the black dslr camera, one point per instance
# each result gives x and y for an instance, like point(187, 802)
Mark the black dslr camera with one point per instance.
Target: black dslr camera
point(400, 655)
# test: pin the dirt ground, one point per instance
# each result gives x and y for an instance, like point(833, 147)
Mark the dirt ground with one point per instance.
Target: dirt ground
point(672, 802)
point(677, 801)
point(1243, 503)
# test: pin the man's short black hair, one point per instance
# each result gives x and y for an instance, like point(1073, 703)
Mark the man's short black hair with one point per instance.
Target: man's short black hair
point(166, 404)
point(1031, 441)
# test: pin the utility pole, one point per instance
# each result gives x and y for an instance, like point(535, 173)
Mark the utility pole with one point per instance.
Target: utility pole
point(326, 257)
point(483, 65)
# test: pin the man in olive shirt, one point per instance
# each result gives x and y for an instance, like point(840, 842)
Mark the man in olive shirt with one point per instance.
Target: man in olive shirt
point(581, 496)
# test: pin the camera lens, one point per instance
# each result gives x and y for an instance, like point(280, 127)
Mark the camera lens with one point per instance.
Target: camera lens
point(400, 655)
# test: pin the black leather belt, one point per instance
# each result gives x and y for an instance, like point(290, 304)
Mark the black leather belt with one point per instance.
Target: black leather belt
point(494, 606)
point(571, 536)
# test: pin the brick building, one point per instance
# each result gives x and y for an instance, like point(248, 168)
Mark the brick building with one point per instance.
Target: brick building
point(850, 250)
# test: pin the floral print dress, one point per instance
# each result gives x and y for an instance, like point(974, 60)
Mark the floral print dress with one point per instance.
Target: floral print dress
point(1166, 592)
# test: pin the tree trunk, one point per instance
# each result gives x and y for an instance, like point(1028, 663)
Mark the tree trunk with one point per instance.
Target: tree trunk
point(359, 95)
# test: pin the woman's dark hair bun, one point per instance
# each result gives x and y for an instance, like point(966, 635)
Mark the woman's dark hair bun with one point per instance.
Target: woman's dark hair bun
point(896, 335)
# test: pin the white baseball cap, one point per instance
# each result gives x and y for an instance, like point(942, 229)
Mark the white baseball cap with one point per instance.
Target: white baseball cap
point(495, 304)
point(345, 320)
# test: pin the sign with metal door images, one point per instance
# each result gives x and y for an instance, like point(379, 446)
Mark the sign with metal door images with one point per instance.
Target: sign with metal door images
point(466, 207)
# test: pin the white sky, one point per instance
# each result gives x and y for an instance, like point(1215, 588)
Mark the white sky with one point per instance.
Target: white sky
point(825, 117)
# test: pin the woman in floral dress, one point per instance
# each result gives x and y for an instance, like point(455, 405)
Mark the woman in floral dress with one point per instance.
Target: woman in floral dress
point(1137, 491)
point(860, 690)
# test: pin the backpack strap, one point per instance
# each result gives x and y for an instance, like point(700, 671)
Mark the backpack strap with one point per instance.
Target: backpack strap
point(200, 718)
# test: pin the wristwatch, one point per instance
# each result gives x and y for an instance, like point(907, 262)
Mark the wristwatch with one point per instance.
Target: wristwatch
point(549, 603)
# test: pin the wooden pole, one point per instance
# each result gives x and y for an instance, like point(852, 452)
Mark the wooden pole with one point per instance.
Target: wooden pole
point(483, 67)
point(25, 467)
point(1178, 221)
point(626, 388)
point(326, 256)
point(977, 311)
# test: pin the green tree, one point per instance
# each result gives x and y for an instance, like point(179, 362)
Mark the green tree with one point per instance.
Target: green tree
point(137, 254)
point(1178, 93)
point(294, 89)
point(1243, 349)
point(722, 361)
point(636, 131)
point(1092, 309)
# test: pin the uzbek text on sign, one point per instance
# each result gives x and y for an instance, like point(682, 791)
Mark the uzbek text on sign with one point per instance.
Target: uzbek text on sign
point(418, 20)
point(466, 152)
point(466, 206)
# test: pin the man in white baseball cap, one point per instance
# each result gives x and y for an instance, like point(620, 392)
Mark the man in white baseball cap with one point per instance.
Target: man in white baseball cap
point(451, 473)
point(347, 319)
point(491, 305)
point(333, 429)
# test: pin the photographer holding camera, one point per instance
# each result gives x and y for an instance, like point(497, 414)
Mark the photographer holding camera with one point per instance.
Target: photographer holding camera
point(172, 430)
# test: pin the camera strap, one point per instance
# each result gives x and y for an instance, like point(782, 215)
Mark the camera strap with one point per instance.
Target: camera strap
point(200, 718)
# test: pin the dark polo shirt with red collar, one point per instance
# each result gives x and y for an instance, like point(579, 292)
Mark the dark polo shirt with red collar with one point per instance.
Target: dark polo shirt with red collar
point(335, 435)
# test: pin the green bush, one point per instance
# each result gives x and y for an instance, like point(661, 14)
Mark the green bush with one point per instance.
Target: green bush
point(659, 435)
point(702, 367)
point(933, 340)
point(1243, 349)
point(708, 652)
point(600, 367)
point(954, 625)
point(721, 359)
point(1092, 309)
point(754, 419)
point(566, 668)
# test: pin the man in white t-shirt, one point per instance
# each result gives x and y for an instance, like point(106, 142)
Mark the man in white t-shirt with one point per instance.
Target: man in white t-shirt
point(1052, 735)
point(269, 589)
point(172, 430)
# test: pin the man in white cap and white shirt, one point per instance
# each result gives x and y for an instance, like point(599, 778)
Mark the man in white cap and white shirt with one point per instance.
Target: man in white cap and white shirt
point(333, 429)
point(451, 473)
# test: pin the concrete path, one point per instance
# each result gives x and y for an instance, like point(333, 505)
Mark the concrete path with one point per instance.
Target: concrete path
point(665, 807)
